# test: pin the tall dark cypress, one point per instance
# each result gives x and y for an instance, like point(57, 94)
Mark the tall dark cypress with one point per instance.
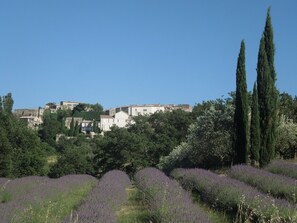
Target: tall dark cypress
point(270, 49)
point(264, 90)
point(241, 111)
point(267, 94)
point(255, 128)
point(71, 130)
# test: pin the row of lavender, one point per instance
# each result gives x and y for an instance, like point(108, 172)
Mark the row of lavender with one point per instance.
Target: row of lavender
point(27, 191)
point(167, 201)
point(283, 168)
point(277, 185)
point(235, 196)
point(104, 200)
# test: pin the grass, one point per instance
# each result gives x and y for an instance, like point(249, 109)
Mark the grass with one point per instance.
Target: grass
point(5, 196)
point(135, 210)
point(54, 210)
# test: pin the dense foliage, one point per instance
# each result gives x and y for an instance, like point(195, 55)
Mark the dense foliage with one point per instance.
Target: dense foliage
point(21, 151)
point(209, 142)
point(255, 136)
point(267, 94)
point(142, 143)
point(241, 125)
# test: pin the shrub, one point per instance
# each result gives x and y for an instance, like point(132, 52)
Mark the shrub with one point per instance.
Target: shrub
point(229, 194)
point(167, 201)
point(276, 185)
point(104, 200)
point(283, 167)
point(27, 192)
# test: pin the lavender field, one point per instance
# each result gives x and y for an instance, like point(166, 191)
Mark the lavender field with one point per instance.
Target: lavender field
point(255, 195)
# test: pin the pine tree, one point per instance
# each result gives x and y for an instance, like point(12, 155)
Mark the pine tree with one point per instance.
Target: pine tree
point(255, 128)
point(241, 110)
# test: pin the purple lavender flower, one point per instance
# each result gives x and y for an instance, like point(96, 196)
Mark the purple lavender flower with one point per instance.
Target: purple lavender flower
point(226, 193)
point(104, 200)
point(167, 201)
point(28, 191)
point(283, 167)
point(276, 185)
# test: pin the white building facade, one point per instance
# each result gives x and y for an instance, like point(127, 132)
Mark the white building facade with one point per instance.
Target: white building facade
point(120, 119)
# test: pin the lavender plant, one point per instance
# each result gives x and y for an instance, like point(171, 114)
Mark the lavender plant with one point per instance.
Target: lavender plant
point(276, 185)
point(167, 201)
point(283, 167)
point(103, 201)
point(233, 196)
point(28, 191)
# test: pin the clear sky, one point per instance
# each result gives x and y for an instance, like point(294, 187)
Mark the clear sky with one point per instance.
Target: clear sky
point(120, 52)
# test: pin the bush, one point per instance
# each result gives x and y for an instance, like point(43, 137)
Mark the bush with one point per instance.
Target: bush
point(234, 196)
point(167, 201)
point(284, 168)
point(276, 185)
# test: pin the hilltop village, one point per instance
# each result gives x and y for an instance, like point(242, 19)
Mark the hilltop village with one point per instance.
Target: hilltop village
point(99, 119)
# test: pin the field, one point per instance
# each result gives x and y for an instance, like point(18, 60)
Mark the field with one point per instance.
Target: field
point(244, 194)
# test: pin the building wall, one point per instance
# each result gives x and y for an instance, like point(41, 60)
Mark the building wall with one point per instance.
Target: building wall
point(145, 110)
point(120, 119)
point(69, 104)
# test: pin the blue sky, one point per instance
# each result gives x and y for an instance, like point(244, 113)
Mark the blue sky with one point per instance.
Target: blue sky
point(119, 52)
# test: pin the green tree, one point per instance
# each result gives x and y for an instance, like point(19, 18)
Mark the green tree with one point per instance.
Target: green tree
point(286, 144)
point(120, 149)
point(274, 94)
point(73, 160)
point(241, 111)
point(264, 81)
point(71, 130)
point(255, 136)
point(5, 154)
point(1, 105)
point(8, 103)
point(50, 128)
point(76, 129)
point(208, 143)
point(21, 152)
point(288, 106)
point(267, 94)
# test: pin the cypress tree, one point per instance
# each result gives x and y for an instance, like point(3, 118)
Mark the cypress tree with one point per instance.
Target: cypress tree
point(71, 130)
point(273, 116)
point(255, 128)
point(267, 94)
point(264, 90)
point(241, 110)
point(76, 129)
point(8, 103)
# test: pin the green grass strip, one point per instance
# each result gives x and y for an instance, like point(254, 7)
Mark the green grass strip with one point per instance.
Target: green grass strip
point(135, 210)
